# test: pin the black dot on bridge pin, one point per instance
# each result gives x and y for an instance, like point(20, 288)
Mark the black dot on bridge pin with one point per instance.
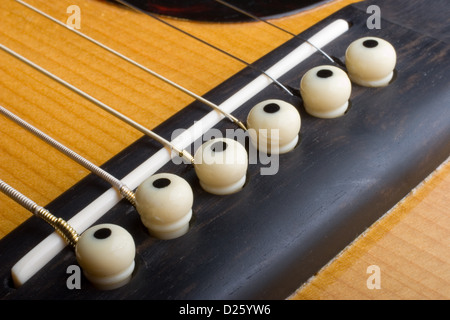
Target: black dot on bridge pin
point(371, 43)
point(271, 108)
point(219, 146)
point(324, 73)
point(161, 183)
point(102, 233)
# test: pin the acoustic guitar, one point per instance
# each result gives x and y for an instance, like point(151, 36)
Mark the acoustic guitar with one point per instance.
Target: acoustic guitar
point(357, 209)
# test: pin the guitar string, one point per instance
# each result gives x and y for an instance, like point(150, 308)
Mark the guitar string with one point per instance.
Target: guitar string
point(248, 14)
point(48, 248)
point(278, 83)
point(136, 64)
point(124, 190)
point(134, 124)
point(60, 225)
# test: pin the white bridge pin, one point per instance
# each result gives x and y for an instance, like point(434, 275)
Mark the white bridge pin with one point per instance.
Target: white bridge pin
point(274, 126)
point(221, 166)
point(164, 202)
point(325, 91)
point(370, 62)
point(106, 254)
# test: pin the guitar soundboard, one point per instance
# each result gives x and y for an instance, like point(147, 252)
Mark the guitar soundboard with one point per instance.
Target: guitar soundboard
point(264, 241)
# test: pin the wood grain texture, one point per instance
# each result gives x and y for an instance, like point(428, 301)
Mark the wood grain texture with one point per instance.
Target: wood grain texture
point(410, 245)
point(45, 174)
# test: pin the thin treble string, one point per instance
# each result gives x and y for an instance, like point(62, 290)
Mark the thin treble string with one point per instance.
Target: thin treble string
point(136, 64)
point(278, 83)
point(121, 187)
point(134, 124)
point(229, 5)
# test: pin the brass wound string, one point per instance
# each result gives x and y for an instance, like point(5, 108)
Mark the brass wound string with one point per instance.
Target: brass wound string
point(140, 66)
point(123, 189)
point(231, 6)
point(164, 142)
point(60, 225)
point(279, 84)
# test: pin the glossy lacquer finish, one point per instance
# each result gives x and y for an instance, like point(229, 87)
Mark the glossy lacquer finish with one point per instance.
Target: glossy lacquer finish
point(210, 10)
point(280, 229)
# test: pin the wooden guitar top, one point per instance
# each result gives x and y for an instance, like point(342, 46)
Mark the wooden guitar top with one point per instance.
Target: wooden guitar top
point(409, 244)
